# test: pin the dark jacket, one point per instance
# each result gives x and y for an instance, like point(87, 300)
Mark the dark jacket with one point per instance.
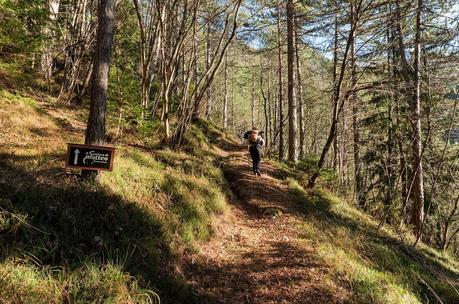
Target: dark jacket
point(256, 144)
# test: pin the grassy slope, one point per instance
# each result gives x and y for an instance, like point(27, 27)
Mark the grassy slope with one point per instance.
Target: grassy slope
point(62, 240)
point(375, 264)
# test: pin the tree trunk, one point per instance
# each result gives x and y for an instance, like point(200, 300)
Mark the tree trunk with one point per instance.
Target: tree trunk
point(265, 102)
point(335, 65)
point(391, 72)
point(338, 101)
point(292, 110)
point(358, 182)
point(232, 105)
point(208, 61)
point(270, 116)
point(149, 48)
point(47, 56)
point(275, 115)
point(414, 96)
point(300, 98)
point(95, 130)
point(280, 87)
point(415, 106)
point(225, 97)
point(197, 102)
point(252, 100)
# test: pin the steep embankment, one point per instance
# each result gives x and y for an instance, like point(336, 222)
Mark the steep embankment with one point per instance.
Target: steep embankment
point(63, 240)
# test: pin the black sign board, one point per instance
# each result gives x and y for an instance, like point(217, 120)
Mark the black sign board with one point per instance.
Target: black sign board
point(453, 96)
point(454, 136)
point(89, 157)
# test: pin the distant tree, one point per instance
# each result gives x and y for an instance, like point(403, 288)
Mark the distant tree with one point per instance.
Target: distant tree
point(280, 85)
point(339, 97)
point(292, 102)
point(225, 93)
point(300, 101)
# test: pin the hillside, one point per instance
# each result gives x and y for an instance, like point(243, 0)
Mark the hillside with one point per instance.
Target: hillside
point(65, 240)
point(192, 226)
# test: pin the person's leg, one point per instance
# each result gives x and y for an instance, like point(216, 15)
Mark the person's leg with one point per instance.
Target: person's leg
point(253, 154)
point(257, 161)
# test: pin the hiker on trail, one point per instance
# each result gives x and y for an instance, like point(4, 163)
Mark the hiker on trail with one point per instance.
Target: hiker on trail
point(255, 142)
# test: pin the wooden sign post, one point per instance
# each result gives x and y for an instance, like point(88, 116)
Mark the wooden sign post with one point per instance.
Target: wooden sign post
point(89, 157)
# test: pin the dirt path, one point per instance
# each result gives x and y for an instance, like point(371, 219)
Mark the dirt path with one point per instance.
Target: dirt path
point(257, 255)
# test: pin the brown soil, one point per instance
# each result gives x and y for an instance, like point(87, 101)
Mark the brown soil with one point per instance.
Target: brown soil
point(257, 254)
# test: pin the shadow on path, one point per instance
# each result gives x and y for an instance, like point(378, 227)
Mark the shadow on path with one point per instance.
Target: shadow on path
point(257, 255)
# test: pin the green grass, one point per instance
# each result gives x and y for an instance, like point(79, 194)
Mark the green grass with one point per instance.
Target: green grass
point(28, 284)
point(7, 98)
point(375, 264)
point(16, 75)
point(92, 283)
point(64, 239)
point(183, 191)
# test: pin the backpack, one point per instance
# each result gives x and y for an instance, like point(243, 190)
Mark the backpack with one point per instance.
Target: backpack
point(247, 134)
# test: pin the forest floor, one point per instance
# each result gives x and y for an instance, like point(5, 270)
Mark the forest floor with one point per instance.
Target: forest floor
point(257, 254)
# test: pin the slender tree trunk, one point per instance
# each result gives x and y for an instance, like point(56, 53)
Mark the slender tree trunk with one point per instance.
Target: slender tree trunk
point(314, 138)
point(280, 86)
point(341, 143)
point(301, 117)
point(358, 182)
point(338, 101)
point(208, 61)
point(445, 236)
point(292, 109)
point(47, 56)
point(418, 182)
point(275, 108)
point(390, 123)
point(232, 106)
point(148, 44)
point(270, 117)
point(335, 65)
point(225, 96)
point(398, 133)
point(166, 74)
point(252, 100)
point(265, 103)
point(414, 95)
point(197, 102)
point(77, 65)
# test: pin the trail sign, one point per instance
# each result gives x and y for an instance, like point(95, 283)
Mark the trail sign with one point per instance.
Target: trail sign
point(89, 157)
point(452, 96)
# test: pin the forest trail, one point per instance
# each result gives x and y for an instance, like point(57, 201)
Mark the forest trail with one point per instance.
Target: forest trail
point(257, 254)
